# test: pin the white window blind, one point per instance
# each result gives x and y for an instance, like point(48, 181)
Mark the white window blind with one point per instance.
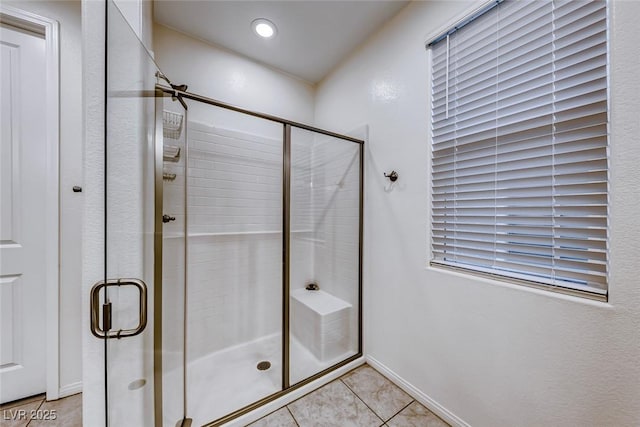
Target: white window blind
point(519, 144)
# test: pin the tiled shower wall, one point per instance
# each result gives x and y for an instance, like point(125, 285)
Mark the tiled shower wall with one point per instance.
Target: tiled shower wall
point(325, 212)
point(302, 243)
point(235, 238)
point(335, 170)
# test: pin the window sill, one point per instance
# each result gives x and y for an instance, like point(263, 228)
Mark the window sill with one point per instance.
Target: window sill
point(524, 286)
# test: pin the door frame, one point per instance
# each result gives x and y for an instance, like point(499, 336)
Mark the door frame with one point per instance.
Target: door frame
point(50, 29)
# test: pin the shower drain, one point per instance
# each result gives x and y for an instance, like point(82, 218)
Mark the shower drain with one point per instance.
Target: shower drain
point(264, 365)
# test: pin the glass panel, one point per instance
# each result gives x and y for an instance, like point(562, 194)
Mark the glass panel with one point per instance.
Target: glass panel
point(234, 281)
point(324, 252)
point(131, 194)
point(174, 184)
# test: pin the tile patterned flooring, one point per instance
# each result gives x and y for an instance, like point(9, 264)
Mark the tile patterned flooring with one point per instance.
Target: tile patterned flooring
point(360, 398)
point(68, 412)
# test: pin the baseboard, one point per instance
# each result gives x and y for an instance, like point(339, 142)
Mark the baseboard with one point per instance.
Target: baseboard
point(70, 389)
point(421, 397)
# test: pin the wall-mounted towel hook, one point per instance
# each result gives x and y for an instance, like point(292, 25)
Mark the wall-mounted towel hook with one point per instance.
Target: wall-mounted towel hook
point(393, 176)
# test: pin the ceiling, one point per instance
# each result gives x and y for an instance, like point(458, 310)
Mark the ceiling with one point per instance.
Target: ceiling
point(313, 36)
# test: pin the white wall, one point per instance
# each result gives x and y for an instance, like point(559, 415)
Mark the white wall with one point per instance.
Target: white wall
point(67, 13)
point(488, 353)
point(226, 76)
point(139, 15)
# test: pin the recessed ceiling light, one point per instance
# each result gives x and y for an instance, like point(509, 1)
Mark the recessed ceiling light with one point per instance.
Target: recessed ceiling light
point(264, 28)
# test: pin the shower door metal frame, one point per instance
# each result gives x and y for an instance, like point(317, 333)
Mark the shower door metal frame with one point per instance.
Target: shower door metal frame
point(286, 198)
point(195, 97)
point(160, 94)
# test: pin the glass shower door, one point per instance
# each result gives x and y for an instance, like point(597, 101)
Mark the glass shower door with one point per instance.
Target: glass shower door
point(234, 262)
point(325, 250)
point(144, 350)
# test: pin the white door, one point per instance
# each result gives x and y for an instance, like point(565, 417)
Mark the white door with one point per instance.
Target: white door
point(22, 214)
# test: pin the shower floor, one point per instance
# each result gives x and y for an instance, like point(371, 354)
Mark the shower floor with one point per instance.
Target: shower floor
point(229, 379)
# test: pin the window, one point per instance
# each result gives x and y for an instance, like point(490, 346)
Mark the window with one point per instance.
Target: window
point(519, 121)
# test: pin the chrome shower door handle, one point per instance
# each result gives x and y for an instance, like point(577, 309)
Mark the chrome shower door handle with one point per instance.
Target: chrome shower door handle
point(104, 329)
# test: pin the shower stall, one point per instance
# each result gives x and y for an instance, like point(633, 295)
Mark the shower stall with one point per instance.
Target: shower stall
point(233, 249)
